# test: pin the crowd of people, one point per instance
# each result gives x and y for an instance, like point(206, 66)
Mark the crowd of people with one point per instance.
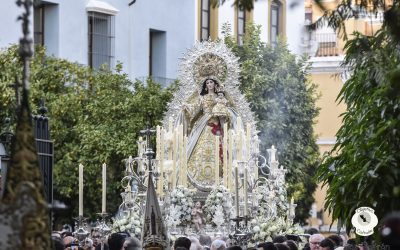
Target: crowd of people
point(312, 240)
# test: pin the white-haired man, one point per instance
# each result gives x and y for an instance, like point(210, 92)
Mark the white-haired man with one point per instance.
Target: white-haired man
point(315, 240)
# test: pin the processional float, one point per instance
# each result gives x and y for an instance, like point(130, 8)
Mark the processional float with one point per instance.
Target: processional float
point(208, 172)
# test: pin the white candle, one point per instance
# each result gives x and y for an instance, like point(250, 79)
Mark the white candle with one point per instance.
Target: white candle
point(230, 160)
point(181, 155)
point(170, 125)
point(80, 190)
point(185, 161)
point(216, 160)
point(237, 191)
point(245, 192)
point(103, 203)
point(225, 155)
point(161, 158)
point(174, 153)
point(248, 135)
point(158, 142)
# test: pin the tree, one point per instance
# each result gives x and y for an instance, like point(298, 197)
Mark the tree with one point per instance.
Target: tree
point(276, 85)
point(363, 169)
point(95, 117)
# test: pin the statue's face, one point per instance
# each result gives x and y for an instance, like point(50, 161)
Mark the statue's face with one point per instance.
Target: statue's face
point(210, 84)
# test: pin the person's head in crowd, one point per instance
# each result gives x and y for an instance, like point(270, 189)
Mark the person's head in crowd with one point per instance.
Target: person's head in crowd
point(266, 246)
point(205, 240)
point(336, 239)
point(281, 246)
point(132, 244)
point(95, 235)
point(293, 237)
point(327, 244)
point(98, 247)
point(279, 239)
point(57, 242)
point(65, 234)
point(306, 246)
point(68, 240)
point(195, 243)
point(352, 242)
point(182, 242)
point(390, 231)
point(312, 231)
point(351, 247)
point(116, 240)
point(234, 248)
point(88, 244)
point(181, 248)
point(291, 244)
point(218, 245)
point(315, 240)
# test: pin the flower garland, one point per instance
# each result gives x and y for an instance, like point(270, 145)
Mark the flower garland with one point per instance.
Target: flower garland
point(181, 199)
point(219, 196)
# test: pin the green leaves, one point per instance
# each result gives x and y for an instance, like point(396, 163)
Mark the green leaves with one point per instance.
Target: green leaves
point(276, 85)
point(366, 155)
point(95, 117)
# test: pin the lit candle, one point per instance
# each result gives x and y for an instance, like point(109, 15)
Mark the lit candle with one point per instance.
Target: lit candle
point(237, 191)
point(80, 190)
point(103, 203)
point(225, 155)
point(245, 191)
point(216, 160)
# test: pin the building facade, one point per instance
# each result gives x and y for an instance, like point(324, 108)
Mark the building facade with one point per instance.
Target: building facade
point(147, 36)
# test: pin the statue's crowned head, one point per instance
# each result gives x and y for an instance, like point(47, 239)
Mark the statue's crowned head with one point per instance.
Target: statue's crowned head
point(210, 66)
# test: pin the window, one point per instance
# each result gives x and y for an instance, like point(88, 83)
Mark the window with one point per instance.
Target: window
point(157, 54)
point(38, 25)
point(101, 39)
point(275, 25)
point(205, 20)
point(241, 25)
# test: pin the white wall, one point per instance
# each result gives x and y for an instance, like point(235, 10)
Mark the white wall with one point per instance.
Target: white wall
point(66, 31)
point(294, 25)
point(261, 17)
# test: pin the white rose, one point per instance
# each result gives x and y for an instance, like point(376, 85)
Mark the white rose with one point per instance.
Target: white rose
point(137, 230)
point(256, 229)
point(273, 228)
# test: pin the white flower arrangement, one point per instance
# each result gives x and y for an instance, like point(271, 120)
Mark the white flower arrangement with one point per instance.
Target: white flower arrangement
point(266, 229)
point(181, 199)
point(219, 196)
point(128, 221)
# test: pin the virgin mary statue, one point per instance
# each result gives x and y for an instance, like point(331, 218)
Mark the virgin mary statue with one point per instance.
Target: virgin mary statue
point(208, 103)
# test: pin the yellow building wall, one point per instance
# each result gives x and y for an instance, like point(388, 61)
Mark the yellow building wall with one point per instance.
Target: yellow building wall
point(328, 121)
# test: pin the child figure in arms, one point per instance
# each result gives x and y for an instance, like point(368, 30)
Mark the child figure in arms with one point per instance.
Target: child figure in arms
point(220, 109)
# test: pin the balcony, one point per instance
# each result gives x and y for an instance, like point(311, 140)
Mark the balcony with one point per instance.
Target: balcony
point(321, 43)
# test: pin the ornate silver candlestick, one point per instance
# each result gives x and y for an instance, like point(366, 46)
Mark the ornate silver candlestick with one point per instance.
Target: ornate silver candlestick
point(80, 232)
point(103, 228)
point(242, 234)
